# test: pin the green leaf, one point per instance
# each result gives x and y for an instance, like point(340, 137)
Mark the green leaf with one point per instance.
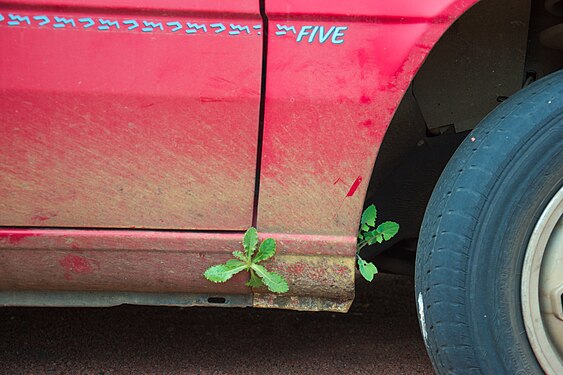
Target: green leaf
point(234, 263)
point(267, 250)
point(376, 237)
point(223, 272)
point(368, 270)
point(371, 237)
point(240, 255)
point(250, 241)
point(383, 232)
point(368, 217)
point(254, 281)
point(275, 282)
point(388, 229)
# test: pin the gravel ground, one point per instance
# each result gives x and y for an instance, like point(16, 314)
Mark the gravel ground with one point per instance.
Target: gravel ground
point(378, 336)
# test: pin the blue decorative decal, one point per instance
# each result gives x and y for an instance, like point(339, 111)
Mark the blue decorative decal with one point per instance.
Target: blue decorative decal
point(106, 24)
point(87, 22)
point(17, 19)
point(62, 22)
point(218, 26)
point(283, 29)
point(315, 33)
point(194, 27)
point(319, 34)
point(45, 20)
point(339, 33)
point(134, 24)
point(236, 29)
point(175, 23)
point(150, 26)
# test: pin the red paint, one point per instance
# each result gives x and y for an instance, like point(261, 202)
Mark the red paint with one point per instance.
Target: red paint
point(40, 218)
point(297, 268)
point(354, 186)
point(424, 47)
point(400, 11)
point(341, 269)
point(364, 99)
point(362, 61)
point(366, 123)
point(15, 238)
point(212, 100)
point(113, 129)
point(76, 264)
point(373, 131)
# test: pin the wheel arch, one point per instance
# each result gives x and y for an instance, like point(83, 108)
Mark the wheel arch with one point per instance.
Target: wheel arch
point(420, 139)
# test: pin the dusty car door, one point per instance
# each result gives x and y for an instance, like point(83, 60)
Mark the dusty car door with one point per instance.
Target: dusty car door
point(129, 114)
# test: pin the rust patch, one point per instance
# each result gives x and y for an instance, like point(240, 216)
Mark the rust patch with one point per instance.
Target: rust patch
point(316, 283)
point(301, 303)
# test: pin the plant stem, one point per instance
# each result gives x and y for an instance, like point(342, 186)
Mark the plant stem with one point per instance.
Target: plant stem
point(360, 246)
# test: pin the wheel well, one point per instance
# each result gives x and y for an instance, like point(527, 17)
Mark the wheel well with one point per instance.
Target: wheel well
point(487, 55)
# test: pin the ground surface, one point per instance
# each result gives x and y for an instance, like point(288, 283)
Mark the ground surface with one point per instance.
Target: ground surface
point(378, 336)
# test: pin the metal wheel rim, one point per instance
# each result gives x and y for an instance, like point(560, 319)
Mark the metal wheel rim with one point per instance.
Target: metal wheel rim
point(542, 287)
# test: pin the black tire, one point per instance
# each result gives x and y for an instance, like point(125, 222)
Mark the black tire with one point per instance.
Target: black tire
point(475, 233)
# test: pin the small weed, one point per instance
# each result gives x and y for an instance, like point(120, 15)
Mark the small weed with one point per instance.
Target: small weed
point(247, 261)
point(368, 234)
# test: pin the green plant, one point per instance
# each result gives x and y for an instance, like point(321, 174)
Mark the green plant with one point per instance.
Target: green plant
point(368, 235)
point(247, 261)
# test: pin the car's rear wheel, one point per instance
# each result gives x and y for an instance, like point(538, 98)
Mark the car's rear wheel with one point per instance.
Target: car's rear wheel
point(489, 269)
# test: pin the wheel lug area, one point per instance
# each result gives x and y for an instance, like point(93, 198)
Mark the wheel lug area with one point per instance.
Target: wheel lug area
point(557, 302)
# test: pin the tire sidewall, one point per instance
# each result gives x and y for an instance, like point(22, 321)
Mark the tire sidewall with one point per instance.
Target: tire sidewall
point(501, 237)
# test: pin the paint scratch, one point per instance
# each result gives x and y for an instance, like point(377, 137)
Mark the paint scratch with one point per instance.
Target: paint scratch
point(354, 186)
point(339, 180)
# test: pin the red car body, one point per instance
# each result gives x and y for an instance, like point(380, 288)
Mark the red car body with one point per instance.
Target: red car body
point(140, 139)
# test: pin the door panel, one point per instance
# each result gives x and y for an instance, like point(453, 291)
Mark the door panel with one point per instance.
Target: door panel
point(129, 114)
point(337, 71)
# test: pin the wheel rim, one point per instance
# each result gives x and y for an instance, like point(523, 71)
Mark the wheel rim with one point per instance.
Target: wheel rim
point(542, 287)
